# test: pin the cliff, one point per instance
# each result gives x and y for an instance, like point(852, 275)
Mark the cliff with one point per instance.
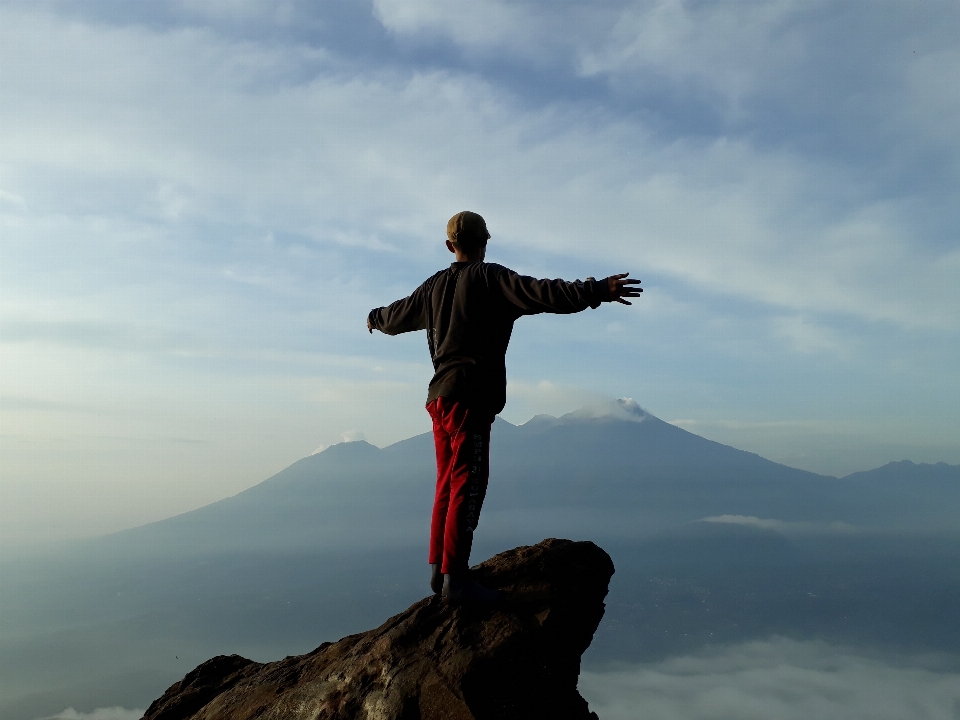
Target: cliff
point(519, 659)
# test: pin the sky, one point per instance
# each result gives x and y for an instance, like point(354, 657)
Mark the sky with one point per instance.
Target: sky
point(201, 201)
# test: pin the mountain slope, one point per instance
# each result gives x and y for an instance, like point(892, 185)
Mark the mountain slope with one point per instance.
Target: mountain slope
point(621, 475)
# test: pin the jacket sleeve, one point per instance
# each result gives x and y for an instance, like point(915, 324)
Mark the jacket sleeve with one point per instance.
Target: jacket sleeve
point(402, 316)
point(532, 296)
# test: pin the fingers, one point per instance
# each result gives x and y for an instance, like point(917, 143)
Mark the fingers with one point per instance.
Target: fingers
point(623, 286)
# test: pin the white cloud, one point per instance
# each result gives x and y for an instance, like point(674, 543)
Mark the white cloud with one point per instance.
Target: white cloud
point(11, 198)
point(473, 24)
point(782, 526)
point(730, 48)
point(732, 57)
point(721, 215)
point(345, 437)
point(526, 399)
point(621, 409)
point(776, 679)
point(808, 337)
point(725, 214)
point(105, 713)
point(352, 436)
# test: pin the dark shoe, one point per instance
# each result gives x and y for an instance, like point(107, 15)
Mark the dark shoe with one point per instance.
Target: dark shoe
point(436, 578)
point(462, 589)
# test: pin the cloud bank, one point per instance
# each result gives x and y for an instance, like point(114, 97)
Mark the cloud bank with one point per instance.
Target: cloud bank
point(783, 527)
point(104, 713)
point(777, 679)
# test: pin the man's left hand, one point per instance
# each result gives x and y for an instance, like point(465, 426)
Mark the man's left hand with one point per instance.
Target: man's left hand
point(621, 286)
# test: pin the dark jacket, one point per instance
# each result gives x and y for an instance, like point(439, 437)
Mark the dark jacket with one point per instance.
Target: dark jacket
point(468, 311)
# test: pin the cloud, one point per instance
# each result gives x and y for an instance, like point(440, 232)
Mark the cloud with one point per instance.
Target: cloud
point(476, 25)
point(345, 437)
point(104, 713)
point(806, 337)
point(783, 527)
point(777, 679)
point(525, 399)
point(10, 198)
point(620, 409)
point(720, 213)
point(126, 337)
point(352, 436)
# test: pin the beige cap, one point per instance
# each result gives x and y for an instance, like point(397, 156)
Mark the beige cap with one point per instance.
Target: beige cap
point(467, 229)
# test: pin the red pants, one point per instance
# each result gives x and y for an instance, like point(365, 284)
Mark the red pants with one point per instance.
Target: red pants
point(462, 437)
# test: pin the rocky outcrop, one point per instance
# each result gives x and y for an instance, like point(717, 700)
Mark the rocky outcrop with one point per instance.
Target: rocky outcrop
point(517, 660)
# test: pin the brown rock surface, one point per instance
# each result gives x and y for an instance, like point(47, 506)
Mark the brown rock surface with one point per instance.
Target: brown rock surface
point(519, 659)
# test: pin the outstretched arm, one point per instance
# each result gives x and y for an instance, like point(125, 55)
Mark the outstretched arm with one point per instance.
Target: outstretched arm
point(402, 316)
point(622, 286)
point(534, 296)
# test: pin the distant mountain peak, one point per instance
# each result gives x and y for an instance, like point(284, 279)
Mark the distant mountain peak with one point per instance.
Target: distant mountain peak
point(910, 463)
point(351, 447)
point(626, 409)
point(619, 409)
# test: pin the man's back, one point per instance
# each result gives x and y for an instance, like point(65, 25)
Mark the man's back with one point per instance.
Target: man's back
point(468, 311)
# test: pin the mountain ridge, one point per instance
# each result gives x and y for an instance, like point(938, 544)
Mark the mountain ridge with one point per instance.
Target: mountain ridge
point(421, 447)
point(621, 473)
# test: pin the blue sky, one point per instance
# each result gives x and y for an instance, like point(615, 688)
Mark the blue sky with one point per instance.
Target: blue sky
point(202, 200)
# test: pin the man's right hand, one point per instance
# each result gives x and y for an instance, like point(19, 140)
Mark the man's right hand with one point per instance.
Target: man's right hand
point(621, 286)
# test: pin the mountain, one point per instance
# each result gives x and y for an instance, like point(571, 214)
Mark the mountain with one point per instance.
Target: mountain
point(906, 472)
point(620, 474)
point(712, 545)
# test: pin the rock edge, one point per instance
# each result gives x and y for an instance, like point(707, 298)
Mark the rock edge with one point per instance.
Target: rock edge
point(519, 659)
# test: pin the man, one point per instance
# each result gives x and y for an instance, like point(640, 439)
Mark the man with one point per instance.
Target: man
point(468, 311)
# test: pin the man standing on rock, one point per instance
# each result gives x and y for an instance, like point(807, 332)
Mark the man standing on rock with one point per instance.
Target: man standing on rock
point(468, 311)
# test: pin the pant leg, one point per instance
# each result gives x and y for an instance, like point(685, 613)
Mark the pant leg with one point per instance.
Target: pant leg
point(469, 433)
point(441, 499)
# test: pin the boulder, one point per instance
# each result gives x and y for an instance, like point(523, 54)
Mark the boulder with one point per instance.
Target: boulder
point(517, 659)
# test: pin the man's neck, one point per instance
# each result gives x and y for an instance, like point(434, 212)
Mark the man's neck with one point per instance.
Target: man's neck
point(472, 256)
